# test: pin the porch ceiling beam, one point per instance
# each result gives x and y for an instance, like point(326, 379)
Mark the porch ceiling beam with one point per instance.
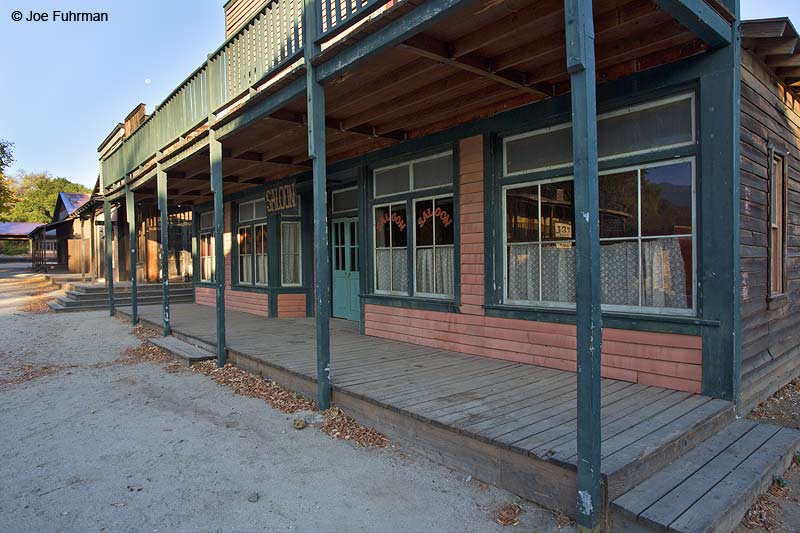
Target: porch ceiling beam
point(440, 51)
point(773, 46)
point(397, 31)
point(701, 19)
point(783, 60)
point(331, 124)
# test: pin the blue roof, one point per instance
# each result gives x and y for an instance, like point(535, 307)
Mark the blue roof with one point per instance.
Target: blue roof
point(73, 200)
point(17, 229)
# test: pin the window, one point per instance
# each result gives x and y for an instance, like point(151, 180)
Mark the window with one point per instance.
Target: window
point(207, 247)
point(667, 123)
point(433, 246)
point(427, 269)
point(254, 210)
point(245, 244)
point(344, 200)
point(391, 245)
point(290, 254)
point(646, 239)
point(777, 217)
point(261, 254)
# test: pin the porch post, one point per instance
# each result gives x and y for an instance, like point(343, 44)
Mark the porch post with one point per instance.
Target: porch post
point(163, 216)
point(215, 152)
point(130, 209)
point(83, 254)
point(92, 257)
point(316, 151)
point(581, 68)
point(109, 254)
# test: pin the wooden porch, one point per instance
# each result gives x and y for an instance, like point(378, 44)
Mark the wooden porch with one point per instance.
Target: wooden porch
point(506, 423)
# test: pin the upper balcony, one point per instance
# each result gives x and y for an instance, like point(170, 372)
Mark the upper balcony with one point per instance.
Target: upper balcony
point(498, 53)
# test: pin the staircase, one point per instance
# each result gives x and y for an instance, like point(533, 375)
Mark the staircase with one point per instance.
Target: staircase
point(91, 297)
point(711, 486)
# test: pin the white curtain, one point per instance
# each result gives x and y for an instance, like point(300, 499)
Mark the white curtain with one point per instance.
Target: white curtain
point(665, 283)
point(523, 272)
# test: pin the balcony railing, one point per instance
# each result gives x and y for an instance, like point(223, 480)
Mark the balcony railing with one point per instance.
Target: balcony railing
point(268, 42)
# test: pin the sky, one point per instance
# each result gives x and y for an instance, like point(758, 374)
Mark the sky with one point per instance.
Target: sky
point(64, 86)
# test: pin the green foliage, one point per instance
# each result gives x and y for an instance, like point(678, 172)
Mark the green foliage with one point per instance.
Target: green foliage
point(36, 196)
point(7, 196)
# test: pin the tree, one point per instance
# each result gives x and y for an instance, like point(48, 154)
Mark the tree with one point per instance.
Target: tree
point(36, 196)
point(7, 196)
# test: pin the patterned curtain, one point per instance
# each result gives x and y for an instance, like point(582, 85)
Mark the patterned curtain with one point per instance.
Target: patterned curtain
point(523, 272)
point(665, 283)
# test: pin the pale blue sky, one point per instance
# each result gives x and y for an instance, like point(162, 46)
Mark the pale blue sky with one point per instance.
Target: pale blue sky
point(64, 86)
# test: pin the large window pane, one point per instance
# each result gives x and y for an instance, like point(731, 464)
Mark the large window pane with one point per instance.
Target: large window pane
point(542, 150)
point(558, 272)
point(261, 254)
point(245, 243)
point(391, 180)
point(558, 211)
point(667, 200)
point(206, 257)
point(667, 273)
point(433, 172)
point(290, 253)
point(522, 214)
point(666, 124)
point(619, 272)
point(523, 272)
point(619, 205)
point(434, 246)
point(391, 240)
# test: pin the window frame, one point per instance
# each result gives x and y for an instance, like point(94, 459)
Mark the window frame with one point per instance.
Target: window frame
point(255, 226)
point(410, 164)
point(609, 114)
point(409, 243)
point(212, 278)
point(542, 305)
point(235, 252)
point(438, 296)
point(775, 153)
point(285, 220)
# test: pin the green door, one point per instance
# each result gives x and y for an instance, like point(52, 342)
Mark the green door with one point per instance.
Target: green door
point(344, 250)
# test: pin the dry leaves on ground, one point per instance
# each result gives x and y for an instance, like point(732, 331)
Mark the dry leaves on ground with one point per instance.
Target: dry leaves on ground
point(339, 425)
point(144, 352)
point(762, 515)
point(782, 408)
point(508, 515)
point(28, 372)
point(36, 305)
point(563, 520)
point(144, 333)
point(247, 384)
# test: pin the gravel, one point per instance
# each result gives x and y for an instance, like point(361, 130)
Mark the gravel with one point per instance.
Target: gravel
point(94, 445)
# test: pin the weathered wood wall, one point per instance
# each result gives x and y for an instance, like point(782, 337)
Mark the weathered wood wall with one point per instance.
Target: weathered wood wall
point(660, 359)
point(770, 332)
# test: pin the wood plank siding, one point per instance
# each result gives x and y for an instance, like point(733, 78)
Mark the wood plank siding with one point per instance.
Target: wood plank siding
point(770, 333)
point(660, 359)
point(237, 12)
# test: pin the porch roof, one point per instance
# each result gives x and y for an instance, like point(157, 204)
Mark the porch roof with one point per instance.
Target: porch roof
point(776, 42)
point(484, 57)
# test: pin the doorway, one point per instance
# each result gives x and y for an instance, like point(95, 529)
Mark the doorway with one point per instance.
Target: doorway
point(344, 260)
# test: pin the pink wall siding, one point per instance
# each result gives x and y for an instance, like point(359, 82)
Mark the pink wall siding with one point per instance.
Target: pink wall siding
point(291, 305)
point(661, 359)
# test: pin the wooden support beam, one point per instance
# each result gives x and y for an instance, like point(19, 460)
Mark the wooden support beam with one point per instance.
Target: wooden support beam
point(579, 25)
point(109, 235)
point(701, 19)
point(130, 211)
point(215, 157)
point(315, 93)
point(431, 48)
point(163, 218)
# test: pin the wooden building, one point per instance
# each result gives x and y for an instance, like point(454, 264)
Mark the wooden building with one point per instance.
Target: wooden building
point(510, 179)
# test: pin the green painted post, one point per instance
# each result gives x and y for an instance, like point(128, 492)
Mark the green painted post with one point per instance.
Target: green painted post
point(581, 68)
point(163, 215)
point(92, 257)
point(316, 151)
point(109, 235)
point(215, 152)
point(130, 211)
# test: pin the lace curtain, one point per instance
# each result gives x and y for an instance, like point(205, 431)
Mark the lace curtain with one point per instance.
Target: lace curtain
point(438, 280)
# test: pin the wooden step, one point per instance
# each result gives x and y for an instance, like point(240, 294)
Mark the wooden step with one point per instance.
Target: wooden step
point(182, 349)
point(711, 487)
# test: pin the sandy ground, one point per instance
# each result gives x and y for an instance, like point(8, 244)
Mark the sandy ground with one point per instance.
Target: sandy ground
point(93, 445)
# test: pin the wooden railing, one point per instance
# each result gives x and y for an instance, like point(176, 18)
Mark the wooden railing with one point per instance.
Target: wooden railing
point(265, 44)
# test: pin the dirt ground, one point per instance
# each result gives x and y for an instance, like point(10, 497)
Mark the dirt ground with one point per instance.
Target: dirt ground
point(779, 508)
point(91, 442)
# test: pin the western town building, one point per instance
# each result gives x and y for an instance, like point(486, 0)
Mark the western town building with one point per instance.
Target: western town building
point(485, 190)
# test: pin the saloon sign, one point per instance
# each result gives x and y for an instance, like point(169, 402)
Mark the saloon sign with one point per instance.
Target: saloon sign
point(281, 198)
